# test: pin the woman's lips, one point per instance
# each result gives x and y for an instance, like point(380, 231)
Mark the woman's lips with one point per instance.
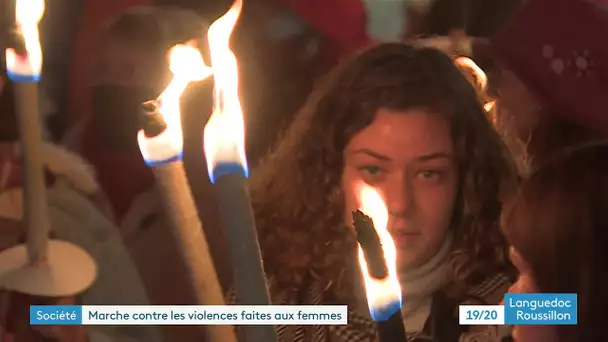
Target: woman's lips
point(404, 238)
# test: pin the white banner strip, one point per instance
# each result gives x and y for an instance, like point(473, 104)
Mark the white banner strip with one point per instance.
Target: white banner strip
point(215, 315)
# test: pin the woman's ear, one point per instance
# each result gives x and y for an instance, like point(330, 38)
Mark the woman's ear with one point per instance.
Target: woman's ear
point(518, 261)
point(525, 283)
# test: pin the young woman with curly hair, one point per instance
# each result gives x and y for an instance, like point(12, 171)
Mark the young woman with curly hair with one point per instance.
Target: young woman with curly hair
point(406, 121)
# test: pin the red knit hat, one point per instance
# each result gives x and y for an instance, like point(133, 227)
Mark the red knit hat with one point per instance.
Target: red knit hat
point(559, 49)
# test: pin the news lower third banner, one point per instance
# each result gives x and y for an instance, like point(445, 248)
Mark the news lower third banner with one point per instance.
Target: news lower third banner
point(188, 315)
point(524, 309)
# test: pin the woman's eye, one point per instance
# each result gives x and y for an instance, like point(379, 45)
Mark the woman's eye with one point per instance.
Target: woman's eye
point(371, 170)
point(371, 174)
point(430, 174)
point(431, 177)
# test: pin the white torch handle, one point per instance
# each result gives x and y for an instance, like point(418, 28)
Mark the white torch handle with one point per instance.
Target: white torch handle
point(34, 199)
point(183, 218)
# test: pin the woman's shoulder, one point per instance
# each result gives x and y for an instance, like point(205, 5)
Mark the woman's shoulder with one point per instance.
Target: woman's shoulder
point(492, 333)
point(443, 323)
point(490, 290)
point(359, 328)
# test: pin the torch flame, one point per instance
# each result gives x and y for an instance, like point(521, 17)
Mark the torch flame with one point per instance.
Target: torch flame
point(187, 65)
point(224, 135)
point(384, 295)
point(28, 14)
point(480, 77)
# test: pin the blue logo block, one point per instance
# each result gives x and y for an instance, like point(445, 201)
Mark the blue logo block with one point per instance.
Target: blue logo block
point(541, 309)
point(55, 315)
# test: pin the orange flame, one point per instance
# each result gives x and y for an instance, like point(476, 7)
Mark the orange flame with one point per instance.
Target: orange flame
point(187, 65)
point(385, 292)
point(224, 136)
point(28, 14)
point(480, 77)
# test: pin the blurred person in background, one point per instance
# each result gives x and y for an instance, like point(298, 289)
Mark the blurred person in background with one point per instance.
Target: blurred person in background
point(342, 24)
point(58, 29)
point(79, 214)
point(556, 225)
point(279, 60)
point(90, 20)
point(132, 68)
point(458, 27)
point(474, 18)
point(552, 75)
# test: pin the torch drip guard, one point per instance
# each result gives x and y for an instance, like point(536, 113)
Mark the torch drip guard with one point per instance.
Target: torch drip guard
point(69, 270)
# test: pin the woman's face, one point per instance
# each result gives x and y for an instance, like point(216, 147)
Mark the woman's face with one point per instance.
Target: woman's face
point(525, 284)
point(409, 157)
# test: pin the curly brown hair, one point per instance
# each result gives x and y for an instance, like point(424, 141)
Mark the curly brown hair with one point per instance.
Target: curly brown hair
point(296, 189)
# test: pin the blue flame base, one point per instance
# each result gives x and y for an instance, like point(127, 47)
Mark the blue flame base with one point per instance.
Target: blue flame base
point(19, 78)
point(226, 169)
point(385, 313)
point(173, 159)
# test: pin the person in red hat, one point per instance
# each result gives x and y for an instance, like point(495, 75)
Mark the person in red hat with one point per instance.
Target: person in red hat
point(342, 23)
point(554, 77)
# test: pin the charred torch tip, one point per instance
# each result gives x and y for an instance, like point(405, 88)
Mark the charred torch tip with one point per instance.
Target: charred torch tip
point(16, 42)
point(364, 229)
point(358, 215)
point(151, 120)
point(370, 244)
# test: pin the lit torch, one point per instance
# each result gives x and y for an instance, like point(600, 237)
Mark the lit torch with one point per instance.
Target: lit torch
point(161, 144)
point(378, 261)
point(41, 267)
point(161, 140)
point(224, 144)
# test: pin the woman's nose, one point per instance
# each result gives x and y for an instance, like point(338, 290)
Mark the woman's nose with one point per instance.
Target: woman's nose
point(398, 197)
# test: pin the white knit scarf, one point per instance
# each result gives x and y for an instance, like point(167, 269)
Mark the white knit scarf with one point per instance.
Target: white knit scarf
point(420, 284)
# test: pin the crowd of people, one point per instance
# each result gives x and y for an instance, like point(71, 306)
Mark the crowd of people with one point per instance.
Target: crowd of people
point(481, 201)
